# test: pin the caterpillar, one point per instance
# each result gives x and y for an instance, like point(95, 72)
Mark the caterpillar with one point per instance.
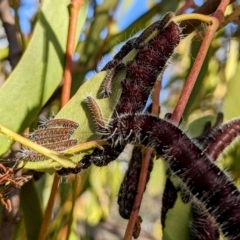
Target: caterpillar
point(203, 226)
point(126, 48)
point(220, 138)
point(50, 132)
point(142, 72)
point(54, 134)
point(129, 185)
point(168, 199)
point(54, 139)
point(206, 182)
point(99, 158)
point(213, 140)
point(59, 122)
point(138, 42)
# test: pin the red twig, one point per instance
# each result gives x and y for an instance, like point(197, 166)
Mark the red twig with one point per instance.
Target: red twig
point(144, 170)
point(74, 9)
point(188, 4)
point(217, 18)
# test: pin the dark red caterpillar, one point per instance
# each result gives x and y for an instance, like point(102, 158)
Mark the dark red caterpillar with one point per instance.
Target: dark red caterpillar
point(213, 141)
point(142, 72)
point(129, 185)
point(202, 177)
point(221, 137)
point(138, 42)
point(168, 199)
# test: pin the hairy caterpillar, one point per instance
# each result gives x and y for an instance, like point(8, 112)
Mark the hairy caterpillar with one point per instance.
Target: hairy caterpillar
point(203, 178)
point(138, 42)
point(54, 134)
point(213, 140)
point(50, 132)
point(59, 122)
point(168, 199)
point(142, 72)
point(129, 185)
point(219, 138)
point(203, 226)
point(98, 158)
point(126, 48)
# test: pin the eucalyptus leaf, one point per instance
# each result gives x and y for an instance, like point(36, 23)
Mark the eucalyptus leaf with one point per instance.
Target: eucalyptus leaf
point(76, 110)
point(231, 109)
point(40, 69)
point(196, 127)
point(177, 222)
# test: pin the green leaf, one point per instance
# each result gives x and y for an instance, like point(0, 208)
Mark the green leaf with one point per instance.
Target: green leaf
point(196, 127)
point(231, 108)
point(177, 222)
point(76, 110)
point(40, 69)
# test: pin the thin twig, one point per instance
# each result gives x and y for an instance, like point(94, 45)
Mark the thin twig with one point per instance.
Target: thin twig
point(48, 211)
point(215, 21)
point(74, 10)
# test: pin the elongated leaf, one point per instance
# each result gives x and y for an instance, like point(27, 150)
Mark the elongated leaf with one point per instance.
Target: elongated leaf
point(231, 109)
point(40, 70)
point(177, 222)
point(196, 127)
point(77, 111)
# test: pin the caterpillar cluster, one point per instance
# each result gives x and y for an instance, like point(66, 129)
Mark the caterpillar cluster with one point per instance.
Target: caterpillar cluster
point(141, 75)
point(206, 182)
point(136, 90)
point(54, 134)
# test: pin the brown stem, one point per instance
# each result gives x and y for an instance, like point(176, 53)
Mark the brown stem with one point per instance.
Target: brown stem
point(74, 9)
point(48, 211)
point(15, 51)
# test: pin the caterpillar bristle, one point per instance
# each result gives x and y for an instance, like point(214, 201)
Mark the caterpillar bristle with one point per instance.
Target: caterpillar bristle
point(202, 177)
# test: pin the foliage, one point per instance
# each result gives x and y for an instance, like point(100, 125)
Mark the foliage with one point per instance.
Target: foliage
point(33, 89)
